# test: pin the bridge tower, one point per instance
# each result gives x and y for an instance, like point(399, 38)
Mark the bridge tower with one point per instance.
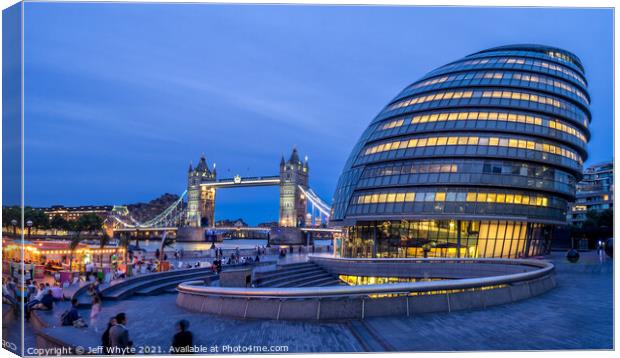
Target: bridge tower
point(293, 174)
point(200, 199)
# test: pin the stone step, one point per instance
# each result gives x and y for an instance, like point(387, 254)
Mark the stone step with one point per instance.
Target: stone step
point(324, 281)
point(286, 276)
point(278, 272)
point(301, 279)
point(165, 287)
point(85, 301)
point(287, 268)
point(116, 293)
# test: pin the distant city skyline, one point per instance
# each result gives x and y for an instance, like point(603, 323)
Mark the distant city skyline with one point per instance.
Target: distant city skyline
point(120, 98)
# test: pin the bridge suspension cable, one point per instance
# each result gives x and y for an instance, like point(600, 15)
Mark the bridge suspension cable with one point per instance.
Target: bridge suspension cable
point(173, 214)
point(318, 203)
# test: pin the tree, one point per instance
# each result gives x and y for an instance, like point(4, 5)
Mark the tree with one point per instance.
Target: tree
point(39, 219)
point(89, 222)
point(103, 240)
point(10, 213)
point(86, 222)
point(598, 225)
point(59, 223)
point(75, 242)
point(123, 242)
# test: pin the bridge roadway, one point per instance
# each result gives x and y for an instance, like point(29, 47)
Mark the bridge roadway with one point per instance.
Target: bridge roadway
point(237, 181)
point(227, 228)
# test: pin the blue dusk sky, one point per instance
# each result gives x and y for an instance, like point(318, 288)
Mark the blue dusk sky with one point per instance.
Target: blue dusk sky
point(120, 98)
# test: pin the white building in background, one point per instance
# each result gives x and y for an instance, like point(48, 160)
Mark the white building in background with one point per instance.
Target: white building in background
point(594, 192)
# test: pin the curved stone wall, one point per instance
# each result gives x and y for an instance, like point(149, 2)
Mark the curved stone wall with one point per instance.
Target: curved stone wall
point(498, 281)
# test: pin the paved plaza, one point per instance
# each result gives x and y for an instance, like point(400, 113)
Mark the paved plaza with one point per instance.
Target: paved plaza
point(577, 314)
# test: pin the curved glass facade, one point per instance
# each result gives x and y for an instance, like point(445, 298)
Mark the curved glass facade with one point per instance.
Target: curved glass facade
point(478, 158)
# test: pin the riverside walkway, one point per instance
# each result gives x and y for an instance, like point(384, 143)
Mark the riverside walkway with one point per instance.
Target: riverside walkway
point(577, 314)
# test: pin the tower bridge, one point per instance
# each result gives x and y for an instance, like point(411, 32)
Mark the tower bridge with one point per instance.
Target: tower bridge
point(301, 209)
point(295, 194)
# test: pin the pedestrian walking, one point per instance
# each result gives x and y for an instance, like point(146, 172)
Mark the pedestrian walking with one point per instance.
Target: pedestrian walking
point(119, 334)
point(183, 340)
point(94, 311)
point(105, 338)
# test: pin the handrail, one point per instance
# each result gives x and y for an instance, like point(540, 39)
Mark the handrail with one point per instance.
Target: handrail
point(520, 262)
point(544, 268)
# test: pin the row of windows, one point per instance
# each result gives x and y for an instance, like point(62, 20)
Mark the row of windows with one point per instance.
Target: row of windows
point(520, 61)
point(442, 239)
point(556, 210)
point(573, 113)
point(533, 53)
point(503, 76)
point(398, 169)
point(472, 196)
point(471, 140)
point(562, 56)
point(530, 53)
point(468, 166)
point(491, 116)
point(484, 179)
point(471, 152)
point(521, 96)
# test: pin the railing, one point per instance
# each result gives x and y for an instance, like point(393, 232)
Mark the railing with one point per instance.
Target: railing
point(540, 269)
point(169, 215)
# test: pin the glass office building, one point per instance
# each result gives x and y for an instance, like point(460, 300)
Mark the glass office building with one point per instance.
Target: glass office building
point(478, 158)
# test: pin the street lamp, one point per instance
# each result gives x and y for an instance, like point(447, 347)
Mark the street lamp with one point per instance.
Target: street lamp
point(14, 223)
point(29, 224)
